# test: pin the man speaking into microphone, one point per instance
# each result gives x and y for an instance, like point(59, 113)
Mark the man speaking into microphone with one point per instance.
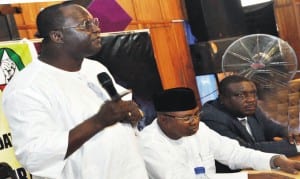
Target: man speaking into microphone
point(64, 124)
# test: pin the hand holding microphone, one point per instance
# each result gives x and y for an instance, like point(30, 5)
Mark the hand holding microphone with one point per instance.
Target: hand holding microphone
point(125, 111)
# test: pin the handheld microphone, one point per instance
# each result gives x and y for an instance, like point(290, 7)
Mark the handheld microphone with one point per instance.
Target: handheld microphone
point(107, 83)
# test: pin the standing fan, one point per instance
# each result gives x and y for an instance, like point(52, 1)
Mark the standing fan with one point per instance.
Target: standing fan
point(267, 60)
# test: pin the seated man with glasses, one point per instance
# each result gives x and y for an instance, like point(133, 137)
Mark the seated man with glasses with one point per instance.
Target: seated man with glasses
point(235, 114)
point(176, 144)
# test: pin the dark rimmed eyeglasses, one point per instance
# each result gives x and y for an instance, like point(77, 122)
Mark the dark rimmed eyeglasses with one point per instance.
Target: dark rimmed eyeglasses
point(86, 24)
point(185, 119)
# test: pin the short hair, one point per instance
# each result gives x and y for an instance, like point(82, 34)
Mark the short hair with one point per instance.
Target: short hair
point(50, 18)
point(223, 87)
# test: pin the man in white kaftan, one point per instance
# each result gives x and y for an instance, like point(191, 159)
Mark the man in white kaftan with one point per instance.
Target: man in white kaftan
point(63, 123)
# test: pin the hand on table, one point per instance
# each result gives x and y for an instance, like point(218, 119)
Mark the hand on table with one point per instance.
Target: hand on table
point(294, 138)
point(287, 165)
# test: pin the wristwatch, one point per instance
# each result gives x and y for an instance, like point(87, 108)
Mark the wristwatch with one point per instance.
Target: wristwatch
point(272, 164)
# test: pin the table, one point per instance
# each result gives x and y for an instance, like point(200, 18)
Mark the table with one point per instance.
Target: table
point(297, 176)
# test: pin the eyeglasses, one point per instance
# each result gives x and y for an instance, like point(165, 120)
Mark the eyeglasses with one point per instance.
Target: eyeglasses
point(86, 24)
point(185, 119)
point(245, 95)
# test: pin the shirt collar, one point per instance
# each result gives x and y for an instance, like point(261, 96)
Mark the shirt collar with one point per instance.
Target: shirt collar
point(242, 118)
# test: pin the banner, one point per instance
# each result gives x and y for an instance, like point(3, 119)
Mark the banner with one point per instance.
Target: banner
point(14, 56)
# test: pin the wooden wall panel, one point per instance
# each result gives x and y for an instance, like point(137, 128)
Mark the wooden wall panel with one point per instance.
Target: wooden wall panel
point(128, 5)
point(172, 9)
point(165, 60)
point(26, 20)
point(164, 18)
point(287, 14)
point(148, 10)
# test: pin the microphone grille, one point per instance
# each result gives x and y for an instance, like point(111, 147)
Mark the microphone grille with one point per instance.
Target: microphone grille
point(104, 78)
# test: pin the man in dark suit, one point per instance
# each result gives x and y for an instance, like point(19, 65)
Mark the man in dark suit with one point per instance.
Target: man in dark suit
point(235, 114)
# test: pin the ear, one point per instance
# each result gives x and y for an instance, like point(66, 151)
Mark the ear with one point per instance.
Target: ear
point(56, 36)
point(222, 98)
point(162, 118)
point(162, 122)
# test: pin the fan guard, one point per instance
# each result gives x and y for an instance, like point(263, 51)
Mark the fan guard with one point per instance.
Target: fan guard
point(267, 60)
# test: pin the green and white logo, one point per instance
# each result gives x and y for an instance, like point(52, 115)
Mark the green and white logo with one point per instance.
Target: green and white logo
point(10, 64)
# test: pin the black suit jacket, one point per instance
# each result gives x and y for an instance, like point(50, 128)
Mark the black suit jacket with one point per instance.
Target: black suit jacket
point(263, 130)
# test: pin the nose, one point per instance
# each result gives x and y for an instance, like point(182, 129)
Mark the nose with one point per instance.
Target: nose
point(195, 120)
point(251, 98)
point(96, 28)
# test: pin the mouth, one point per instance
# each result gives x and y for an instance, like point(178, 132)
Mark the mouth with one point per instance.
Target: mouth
point(194, 129)
point(97, 41)
point(250, 108)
